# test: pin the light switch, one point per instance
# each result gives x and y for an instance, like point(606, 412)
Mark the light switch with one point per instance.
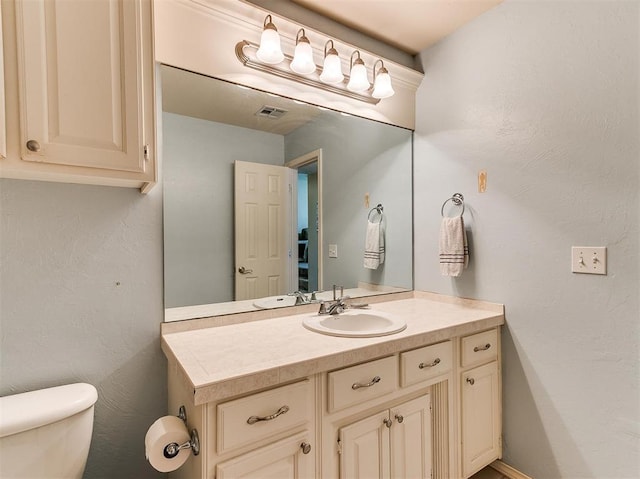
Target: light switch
point(589, 259)
point(333, 251)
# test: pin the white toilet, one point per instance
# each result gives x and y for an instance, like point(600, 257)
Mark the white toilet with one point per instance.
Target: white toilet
point(46, 434)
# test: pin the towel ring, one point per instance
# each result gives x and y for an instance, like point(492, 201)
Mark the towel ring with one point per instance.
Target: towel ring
point(379, 209)
point(457, 199)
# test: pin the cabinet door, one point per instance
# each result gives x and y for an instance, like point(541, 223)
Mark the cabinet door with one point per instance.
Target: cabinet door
point(481, 422)
point(284, 459)
point(80, 72)
point(411, 439)
point(365, 449)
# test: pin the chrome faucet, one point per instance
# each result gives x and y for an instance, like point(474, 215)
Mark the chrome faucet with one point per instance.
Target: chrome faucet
point(300, 297)
point(337, 306)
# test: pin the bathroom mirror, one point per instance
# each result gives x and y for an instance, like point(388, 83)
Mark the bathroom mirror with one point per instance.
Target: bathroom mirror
point(341, 168)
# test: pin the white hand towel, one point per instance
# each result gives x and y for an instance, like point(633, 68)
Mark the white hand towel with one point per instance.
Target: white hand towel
point(454, 250)
point(374, 245)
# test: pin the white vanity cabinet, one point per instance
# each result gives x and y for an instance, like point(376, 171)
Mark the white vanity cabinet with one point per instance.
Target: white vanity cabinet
point(394, 443)
point(421, 404)
point(266, 434)
point(480, 401)
point(83, 77)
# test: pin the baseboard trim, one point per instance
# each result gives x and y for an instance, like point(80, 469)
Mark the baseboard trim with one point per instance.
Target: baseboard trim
point(508, 471)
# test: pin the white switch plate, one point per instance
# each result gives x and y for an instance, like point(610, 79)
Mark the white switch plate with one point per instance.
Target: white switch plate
point(333, 251)
point(589, 259)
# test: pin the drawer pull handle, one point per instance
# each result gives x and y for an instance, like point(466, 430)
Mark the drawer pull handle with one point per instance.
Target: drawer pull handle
point(399, 418)
point(279, 412)
point(306, 448)
point(482, 348)
point(387, 422)
point(435, 362)
point(471, 381)
point(368, 385)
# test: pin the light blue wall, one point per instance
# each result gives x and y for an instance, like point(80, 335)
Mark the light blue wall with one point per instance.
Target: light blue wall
point(198, 158)
point(545, 97)
point(81, 301)
point(359, 157)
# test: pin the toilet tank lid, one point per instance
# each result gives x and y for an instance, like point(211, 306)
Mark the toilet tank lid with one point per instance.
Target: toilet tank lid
point(24, 411)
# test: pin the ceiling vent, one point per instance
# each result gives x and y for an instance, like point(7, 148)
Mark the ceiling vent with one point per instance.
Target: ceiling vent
point(271, 112)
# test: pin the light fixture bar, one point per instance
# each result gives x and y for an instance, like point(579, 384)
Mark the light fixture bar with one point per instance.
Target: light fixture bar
point(282, 71)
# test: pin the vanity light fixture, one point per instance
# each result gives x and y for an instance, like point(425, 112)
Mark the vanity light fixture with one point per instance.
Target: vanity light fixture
point(268, 57)
point(332, 66)
point(358, 80)
point(381, 82)
point(303, 56)
point(270, 50)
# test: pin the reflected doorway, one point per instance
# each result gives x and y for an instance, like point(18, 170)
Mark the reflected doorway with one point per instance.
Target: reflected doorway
point(306, 222)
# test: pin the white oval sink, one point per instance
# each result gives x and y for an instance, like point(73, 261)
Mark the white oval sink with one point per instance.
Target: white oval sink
point(274, 302)
point(355, 324)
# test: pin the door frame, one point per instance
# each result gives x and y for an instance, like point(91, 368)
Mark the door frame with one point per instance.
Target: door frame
point(295, 164)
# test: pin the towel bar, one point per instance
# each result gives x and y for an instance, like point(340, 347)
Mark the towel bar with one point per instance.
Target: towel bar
point(379, 209)
point(457, 199)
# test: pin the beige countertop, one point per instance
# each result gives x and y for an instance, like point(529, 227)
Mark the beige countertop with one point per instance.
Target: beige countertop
point(224, 361)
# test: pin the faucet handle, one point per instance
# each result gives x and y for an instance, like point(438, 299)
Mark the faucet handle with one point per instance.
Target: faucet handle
point(313, 295)
point(323, 308)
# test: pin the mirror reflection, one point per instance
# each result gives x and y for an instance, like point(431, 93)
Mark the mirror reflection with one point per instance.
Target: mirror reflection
point(268, 202)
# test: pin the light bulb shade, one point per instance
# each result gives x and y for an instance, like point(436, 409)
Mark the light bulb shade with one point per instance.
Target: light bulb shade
point(332, 69)
point(358, 81)
point(270, 50)
point(382, 86)
point(303, 59)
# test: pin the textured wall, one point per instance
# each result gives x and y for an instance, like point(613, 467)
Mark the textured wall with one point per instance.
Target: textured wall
point(361, 156)
point(545, 97)
point(198, 158)
point(81, 301)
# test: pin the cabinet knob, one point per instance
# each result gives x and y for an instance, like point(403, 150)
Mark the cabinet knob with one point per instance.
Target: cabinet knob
point(33, 145)
point(306, 448)
point(399, 418)
point(471, 381)
point(387, 422)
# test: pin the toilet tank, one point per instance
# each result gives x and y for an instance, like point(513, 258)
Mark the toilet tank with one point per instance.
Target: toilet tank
point(46, 433)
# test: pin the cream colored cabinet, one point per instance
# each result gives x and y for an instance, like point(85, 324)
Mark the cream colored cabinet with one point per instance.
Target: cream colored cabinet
point(429, 412)
point(290, 458)
point(85, 90)
point(394, 444)
point(480, 402)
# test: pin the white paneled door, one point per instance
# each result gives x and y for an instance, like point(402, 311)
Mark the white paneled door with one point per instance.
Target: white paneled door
point(261, 198)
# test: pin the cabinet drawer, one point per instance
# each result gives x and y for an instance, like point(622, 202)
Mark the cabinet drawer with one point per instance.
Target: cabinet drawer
point(247, 420)
point(479, 348)
point(363, 382)
point(424, 363)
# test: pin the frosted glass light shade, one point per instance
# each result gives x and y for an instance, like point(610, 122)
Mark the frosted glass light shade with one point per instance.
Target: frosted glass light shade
point(303, 59)
point(382, 87)
point(332, 69)
point(358, 81)
point(270, 50)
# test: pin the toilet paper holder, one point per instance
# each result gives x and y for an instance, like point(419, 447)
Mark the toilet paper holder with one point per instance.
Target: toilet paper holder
point(172, 449)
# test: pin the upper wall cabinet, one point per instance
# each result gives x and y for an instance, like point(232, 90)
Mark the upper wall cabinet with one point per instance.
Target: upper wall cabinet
point(84, 78)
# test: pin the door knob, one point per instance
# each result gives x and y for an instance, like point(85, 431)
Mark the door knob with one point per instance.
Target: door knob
point(243, 270)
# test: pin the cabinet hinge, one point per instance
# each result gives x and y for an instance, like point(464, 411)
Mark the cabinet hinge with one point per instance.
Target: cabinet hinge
point(339, 447)
point(145, 151)
point(290, 188)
